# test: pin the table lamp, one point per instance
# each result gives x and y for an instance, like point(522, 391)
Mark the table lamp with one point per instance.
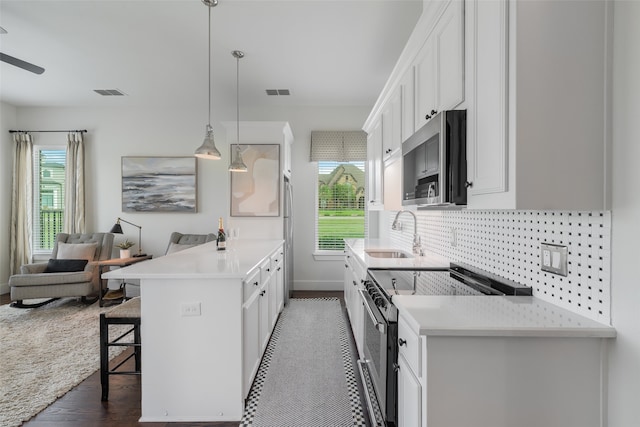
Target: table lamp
point(117, 229)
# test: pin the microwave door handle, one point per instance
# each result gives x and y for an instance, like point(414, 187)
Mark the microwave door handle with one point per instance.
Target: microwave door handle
point(375, 317)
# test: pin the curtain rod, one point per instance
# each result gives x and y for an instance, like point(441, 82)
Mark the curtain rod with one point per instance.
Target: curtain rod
point(44, 131)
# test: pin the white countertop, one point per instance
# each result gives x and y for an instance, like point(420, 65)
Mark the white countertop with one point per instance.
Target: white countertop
point(426, 262)
point(202, 262)
point(507, 316)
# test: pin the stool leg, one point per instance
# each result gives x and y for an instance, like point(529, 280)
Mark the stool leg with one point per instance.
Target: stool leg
point(137, 347)
point(104, 357)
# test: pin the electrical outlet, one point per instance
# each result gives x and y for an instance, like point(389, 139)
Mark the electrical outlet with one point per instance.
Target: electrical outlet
point(553, 258)
point(190, 309)
point(454, 237)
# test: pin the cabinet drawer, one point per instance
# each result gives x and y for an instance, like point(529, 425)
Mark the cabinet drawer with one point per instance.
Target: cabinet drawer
point(409, 346)
point(265, 270)
point(251, 284)
point(276, 258)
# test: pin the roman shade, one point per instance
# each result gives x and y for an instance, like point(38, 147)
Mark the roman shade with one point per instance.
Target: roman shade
point(338, 146)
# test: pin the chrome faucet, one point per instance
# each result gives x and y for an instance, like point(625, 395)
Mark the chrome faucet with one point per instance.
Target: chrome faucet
point(417, 246)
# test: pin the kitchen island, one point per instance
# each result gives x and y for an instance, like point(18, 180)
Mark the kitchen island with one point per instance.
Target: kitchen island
point(206, 317)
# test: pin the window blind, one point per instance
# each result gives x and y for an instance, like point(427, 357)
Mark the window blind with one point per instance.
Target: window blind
point(48, 201)
point(338, 146)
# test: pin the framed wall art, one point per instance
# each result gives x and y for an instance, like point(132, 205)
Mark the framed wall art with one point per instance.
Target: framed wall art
point(257, 191)
point(159, 184)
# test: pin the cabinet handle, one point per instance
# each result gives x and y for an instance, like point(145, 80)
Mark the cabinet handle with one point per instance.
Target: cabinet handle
point(262, 293)
point(278, 268)
point(401, 342)
point(433, 112)
point(346, 266)
point(468, 184)
point(255, 283)
point(396, 367)
point(354, 283)
point(427, 117)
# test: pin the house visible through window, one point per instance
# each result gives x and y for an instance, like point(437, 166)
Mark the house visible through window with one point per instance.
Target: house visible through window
point(48, 196)
point(341, 202)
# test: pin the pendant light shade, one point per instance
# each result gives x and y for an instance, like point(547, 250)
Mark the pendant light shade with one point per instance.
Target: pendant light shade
point(208, 148)
point(237, 165)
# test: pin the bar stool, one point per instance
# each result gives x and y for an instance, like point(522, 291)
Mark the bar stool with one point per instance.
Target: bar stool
point(127, 313)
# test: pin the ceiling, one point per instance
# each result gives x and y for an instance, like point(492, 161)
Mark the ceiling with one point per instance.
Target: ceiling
point(327, 52)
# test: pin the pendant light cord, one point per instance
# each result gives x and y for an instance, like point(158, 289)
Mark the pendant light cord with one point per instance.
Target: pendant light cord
point(238, 103)
point(209, 6)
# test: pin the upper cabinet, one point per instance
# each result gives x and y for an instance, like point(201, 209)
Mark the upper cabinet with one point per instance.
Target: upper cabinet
point(374, 167)
point(392, 124)
point(439, 66)
point(538, 104)
point(535, 79)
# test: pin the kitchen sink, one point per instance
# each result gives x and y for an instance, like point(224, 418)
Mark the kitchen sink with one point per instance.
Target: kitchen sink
point(387, 253)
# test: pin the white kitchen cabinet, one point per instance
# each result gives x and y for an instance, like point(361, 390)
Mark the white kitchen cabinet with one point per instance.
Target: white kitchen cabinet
point(250, 340)
point(409, 396)
point(439, 66)
point(392, 124)
point(537, 105)
point(407, 85)
point(278, 278)
point(374, 167)
point(354, 275)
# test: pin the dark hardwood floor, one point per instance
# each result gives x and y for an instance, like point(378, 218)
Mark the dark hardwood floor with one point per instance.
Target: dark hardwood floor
point(82, 407)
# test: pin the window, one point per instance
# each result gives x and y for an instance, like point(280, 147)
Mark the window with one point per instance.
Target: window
point(48, 196)
point(340, 202)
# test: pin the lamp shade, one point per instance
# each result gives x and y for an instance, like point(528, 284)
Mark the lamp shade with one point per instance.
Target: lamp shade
point(116, 229)
point(208, 148)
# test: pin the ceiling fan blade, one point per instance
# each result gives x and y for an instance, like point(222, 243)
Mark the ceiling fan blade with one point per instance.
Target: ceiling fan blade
point(21, 64)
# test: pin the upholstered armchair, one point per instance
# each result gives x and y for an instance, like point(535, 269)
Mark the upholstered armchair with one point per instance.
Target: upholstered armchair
point(70, 272)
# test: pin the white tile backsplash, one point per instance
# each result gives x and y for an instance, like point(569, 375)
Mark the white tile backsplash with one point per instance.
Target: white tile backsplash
point(507, 243)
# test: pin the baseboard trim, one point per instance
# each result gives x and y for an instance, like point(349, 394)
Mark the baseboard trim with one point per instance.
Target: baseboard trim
point(315, 285)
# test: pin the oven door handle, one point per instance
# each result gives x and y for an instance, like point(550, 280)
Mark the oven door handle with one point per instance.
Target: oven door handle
point(374, 313)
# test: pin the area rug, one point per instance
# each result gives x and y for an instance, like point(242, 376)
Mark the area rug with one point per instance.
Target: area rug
point(45, 352)
point(306, 377)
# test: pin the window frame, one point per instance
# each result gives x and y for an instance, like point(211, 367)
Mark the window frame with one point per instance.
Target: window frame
point(36, 243)
point(336, 254)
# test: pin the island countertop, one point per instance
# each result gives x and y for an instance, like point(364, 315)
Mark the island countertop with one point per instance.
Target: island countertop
point(203, 261)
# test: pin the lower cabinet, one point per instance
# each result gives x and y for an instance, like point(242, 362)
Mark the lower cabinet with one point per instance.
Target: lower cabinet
point(354, 275)
point(409, 396)
point(263, 302)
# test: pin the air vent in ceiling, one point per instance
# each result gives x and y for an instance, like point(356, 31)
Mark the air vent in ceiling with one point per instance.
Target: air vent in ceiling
point(271, 92)
point(109, 92)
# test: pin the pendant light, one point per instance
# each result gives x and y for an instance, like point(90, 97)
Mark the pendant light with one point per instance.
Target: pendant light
point(208, 148)
point(237, 165)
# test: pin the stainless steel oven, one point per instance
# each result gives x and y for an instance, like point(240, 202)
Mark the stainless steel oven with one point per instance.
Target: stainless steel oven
point(380, 352)
point(377, 369)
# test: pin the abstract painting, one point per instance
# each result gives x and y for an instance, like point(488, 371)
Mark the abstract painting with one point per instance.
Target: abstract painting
point(159, 184)
point(257, 191)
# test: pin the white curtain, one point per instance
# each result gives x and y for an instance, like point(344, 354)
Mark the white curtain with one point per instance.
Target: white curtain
point(74, 214)
point(21, 202)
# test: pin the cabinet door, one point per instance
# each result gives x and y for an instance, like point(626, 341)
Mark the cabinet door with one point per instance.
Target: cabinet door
point(408, 107)
point(409, 397)
point(265, 324)
point(487, 120)
point(393, 182)
point(449, 40)
point(251, 341)
point(425, 90)
point(374, 167)
point(392, 124)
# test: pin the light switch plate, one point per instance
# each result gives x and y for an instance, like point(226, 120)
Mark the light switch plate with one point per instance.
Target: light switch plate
point(553, 258)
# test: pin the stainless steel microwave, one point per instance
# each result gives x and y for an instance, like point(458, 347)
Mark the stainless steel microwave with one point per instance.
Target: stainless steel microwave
point(435, 162)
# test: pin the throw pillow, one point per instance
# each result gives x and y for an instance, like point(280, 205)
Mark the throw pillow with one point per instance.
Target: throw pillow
point(65, 265)
point(174, 247)
point(77, 251)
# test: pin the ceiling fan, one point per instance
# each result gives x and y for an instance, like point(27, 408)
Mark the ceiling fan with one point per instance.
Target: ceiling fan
point(19, 62)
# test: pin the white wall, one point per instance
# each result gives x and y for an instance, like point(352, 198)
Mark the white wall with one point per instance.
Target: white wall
point(7, 121)
point(624, 363)
point(116, 132)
